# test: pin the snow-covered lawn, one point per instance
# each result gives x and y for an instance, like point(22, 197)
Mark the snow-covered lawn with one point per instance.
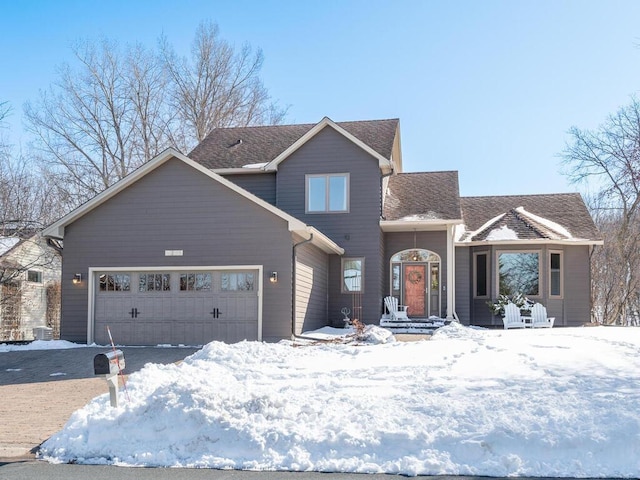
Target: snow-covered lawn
point(561, 402)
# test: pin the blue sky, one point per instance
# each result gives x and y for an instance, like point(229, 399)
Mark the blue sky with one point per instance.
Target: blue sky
point(488, 88)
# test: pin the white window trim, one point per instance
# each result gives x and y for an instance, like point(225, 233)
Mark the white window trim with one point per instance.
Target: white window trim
point(351, 259)
point(487, 274)
point(561, 253)
point(540, 271)
point(327, 200)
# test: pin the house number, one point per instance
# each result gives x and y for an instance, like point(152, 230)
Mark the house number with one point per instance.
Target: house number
point(216, 313)
point(134, 313)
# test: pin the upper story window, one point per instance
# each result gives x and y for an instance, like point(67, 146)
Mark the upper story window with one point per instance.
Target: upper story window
point(327, 193)
point(34, 276)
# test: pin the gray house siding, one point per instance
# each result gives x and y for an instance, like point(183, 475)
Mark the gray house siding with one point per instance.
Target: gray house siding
point(312, 280)
point(357, 231)
point(262, 185)
point(435, 241)
point(464, 284)
point(175, 207)
point(572, 309)
point(577, 286)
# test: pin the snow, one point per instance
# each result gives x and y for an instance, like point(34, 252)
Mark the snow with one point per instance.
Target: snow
point(547, 223)
point(502, 233)
point(255, 165)
point(7, 243)
point(39, 345)
point(559, 402)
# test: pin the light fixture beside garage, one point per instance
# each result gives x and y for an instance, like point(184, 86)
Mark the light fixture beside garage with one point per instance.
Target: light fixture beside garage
point(77, 278)
point(273, 278)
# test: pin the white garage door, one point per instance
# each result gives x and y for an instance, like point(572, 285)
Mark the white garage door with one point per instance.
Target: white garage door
point(176, 307)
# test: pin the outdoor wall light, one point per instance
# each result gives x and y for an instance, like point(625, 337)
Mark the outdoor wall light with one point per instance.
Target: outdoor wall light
point(77, 278)
point(273, 278)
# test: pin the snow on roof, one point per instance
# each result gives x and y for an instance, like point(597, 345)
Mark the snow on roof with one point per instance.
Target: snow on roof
point(255, 165)
point(485, 225)
point(7, 243)
point(502, 233)
point(556, 227)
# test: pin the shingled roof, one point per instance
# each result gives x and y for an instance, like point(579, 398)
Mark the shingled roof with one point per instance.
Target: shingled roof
point(423, 196)
point(240, 146)
point(562, 216)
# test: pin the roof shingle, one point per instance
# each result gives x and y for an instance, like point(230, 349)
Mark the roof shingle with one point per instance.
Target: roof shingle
point(240, 146)
point(565, 209)
point(423, 196)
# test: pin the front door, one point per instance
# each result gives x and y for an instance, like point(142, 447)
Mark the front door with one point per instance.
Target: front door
point(415, 289)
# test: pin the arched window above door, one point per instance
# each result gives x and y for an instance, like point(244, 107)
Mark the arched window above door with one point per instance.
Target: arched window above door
point(415, 255)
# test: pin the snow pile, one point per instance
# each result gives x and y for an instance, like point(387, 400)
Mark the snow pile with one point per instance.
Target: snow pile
point(502, 233)
point(550, 402)
point(39, 345)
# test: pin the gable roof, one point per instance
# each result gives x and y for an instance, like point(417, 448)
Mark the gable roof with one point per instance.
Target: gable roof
point(559, 217)
point(414, 199)
point(56, 229)
point(264, 147)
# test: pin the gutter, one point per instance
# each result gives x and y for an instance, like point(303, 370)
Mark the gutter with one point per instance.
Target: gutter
point(293, 287)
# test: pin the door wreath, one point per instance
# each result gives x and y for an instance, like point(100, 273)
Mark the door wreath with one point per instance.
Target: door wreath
point(415, 277)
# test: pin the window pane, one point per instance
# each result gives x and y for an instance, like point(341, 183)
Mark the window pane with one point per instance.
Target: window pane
point(316, 194)
point(518, 273)
point(352, 275)
point(166, 282)
point(34, 276)
point(338, 194)
point(481, 275)
point(555, 288)
point(395, 282)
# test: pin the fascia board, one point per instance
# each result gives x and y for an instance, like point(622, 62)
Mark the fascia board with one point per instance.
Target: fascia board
point(405, 226)
point(530, 242)
point(383, 162)
point(324, 242)
point(238, 171)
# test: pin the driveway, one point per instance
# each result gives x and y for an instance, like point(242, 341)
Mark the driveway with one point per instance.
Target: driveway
point(40, 389)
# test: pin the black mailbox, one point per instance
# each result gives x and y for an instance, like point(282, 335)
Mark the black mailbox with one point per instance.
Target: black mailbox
point(109, 363)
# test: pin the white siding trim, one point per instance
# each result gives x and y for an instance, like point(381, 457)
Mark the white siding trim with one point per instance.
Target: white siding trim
point(91, 287)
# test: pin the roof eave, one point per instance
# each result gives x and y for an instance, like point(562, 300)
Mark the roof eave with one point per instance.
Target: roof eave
point(238, 171)
point(423, 225)
point(576, 242)
point(319, 239)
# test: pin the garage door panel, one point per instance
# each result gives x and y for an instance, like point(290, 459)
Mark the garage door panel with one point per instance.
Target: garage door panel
point(179, 311)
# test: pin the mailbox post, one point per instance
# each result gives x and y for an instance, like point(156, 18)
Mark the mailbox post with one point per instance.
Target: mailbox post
point(109, 365)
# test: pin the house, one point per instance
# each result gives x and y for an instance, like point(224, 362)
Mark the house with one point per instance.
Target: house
point(29, 285)
point(265, 232)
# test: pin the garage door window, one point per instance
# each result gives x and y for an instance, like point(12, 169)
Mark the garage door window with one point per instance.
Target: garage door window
point(195, 282)
point(154, 282)
point(118, 282)
point(233, 282)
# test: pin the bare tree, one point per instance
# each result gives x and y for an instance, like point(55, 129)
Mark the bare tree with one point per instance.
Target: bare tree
point(217, 86)
point(116, 108)
point(609, 160)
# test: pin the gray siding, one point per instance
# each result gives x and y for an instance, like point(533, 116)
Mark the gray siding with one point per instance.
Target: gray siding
point(357, 231)
point(262, 185)
point(464, 284)
point(176, 207)
point(577, 282)
point(312, 280)
point(434, 241)
point(572, 309)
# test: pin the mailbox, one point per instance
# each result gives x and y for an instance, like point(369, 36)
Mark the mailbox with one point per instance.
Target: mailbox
point(109, 363)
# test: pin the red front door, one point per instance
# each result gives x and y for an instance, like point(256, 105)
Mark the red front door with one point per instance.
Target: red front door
point(415, 288)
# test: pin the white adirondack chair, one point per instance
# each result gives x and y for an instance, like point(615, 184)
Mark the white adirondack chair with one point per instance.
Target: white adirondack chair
point(398, 312)
point(539, 317)
point(512, 317)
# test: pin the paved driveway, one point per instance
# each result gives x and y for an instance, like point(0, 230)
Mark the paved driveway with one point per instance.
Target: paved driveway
point(40, 389)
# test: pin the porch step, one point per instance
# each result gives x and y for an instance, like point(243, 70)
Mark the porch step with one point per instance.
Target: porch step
point(427, 326)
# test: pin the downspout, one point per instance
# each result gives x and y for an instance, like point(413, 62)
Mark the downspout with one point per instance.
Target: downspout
point(293, 286)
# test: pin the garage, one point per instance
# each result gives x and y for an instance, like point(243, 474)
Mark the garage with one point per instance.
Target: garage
point(186, 306)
